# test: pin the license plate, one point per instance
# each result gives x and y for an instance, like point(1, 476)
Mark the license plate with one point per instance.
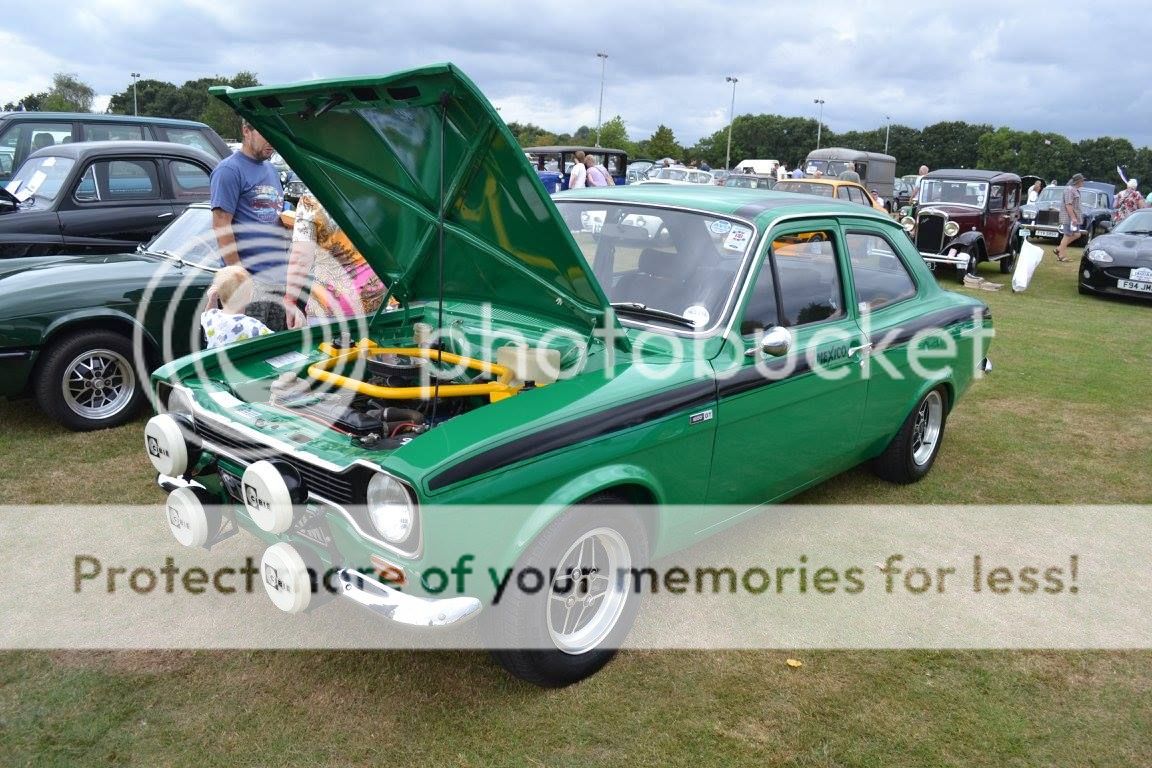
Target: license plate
point(1025, 233)
point(1141, 274)
point(1132, 285)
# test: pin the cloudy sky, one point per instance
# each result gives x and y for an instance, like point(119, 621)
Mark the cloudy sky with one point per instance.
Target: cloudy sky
point(1076, 68)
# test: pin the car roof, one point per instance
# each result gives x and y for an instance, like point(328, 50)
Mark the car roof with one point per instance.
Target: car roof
point(91, 117)
point(724, 201)
point(573, 148)
point(972, 174)
point(81, 150)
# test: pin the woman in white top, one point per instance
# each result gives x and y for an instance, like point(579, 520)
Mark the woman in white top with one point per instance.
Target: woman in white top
point(1034, 191)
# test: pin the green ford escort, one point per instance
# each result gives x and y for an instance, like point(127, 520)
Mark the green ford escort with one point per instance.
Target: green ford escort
point(554, 375)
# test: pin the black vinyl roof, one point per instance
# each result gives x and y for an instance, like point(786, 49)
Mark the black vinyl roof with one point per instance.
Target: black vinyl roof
point(971, 174)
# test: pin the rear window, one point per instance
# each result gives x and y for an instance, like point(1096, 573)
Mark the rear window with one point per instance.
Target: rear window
point(113, 132)
point(190, 137)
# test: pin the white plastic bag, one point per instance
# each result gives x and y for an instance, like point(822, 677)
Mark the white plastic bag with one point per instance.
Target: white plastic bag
point(1026, 263)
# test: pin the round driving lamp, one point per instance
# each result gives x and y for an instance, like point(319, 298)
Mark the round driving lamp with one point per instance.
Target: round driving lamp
point(951, 228)
point(908, 223)
point(390, 508)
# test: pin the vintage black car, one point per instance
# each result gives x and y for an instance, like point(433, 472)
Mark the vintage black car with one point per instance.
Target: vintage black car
point(966, 217)
point(1120, 263)
point(1042, 218)
point(99, 197)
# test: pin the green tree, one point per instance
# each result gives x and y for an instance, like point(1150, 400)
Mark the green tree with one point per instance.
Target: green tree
point(953, 144)
point(218, 114)
point(662, 143)
point(68, 94)
point(529, 135)
point(614, 134)
point(31, 103)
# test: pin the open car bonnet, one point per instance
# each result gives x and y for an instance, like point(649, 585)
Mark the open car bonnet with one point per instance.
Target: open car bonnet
point(393, 157)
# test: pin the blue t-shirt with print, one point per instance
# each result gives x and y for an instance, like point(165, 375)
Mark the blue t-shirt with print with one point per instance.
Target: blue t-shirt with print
point(250, 190)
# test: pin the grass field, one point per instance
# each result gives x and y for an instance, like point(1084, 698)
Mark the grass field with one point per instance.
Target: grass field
point(1064, 418)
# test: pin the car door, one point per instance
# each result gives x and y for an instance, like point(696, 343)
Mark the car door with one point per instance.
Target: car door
point(1000, 220)
point(789, 418)
point(116, 204)
point(885, 294)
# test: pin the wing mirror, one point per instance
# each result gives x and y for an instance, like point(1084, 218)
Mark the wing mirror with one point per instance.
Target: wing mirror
point(776, 342)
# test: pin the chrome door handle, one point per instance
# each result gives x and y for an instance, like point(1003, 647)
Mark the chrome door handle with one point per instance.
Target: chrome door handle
point(861, 348)
point(164, 215)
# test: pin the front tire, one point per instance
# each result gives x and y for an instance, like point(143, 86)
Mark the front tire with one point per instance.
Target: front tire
point(572, 627)
point(87, 381)
point(913, 450)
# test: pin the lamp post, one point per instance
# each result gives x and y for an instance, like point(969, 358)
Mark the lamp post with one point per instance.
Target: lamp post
point(135, 108)
point(600, 113)
point(731, 119)
point(819, 120)
point(887, 129)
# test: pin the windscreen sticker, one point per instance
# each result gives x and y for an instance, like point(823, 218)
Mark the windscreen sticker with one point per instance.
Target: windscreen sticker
point(698, 315)
point(738, 239)
point(720, 227)
point(13, 186)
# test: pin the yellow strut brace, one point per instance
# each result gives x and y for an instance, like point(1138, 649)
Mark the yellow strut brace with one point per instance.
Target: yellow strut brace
point(496, 390)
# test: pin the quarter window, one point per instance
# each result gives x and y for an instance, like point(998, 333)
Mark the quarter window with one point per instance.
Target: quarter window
point(189, 181)
point(189, 137)
point(880, 276)
point(810, 288)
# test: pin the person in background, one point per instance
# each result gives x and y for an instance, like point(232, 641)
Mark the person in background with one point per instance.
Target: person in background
point(578, 176)
point(1034, 191)
point(597, 174)
point(1127, 201)
point(1070, 216)
point(797, 172)
point(247, 198)
point(781, 172)
point(922, 172)
point(342, 282)
point(232, 289)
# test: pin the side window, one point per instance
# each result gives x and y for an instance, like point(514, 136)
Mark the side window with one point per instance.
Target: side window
point(880, 276)
point(842, 193)
point(856, 196)
point(113, 132)
point(810, 287)
point(86, 190)
point(189, 181)
point(24, 137)
point(996, 197)
point(187, 136)
point(761, 312)
point(1013, 198)
point(121, 180)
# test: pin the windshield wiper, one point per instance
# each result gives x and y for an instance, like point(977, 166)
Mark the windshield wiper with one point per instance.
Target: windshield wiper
point(643, 310)
point(1133, 232)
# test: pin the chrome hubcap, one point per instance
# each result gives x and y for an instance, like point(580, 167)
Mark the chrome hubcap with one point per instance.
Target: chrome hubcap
point(926, 428)
point(586, 596)
point(98, 384)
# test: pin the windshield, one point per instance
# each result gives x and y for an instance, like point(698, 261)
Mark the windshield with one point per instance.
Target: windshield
point(672, 174)
point(1137, 221)
point(954, 192)
point(1050, 194)
point(679, 262)
point(1092, 199)
point(190, 238)
point(41, 177)
point(752, 182)
point(805, 188)
point(830, 168)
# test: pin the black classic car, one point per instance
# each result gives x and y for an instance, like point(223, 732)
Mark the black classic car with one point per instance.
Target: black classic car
point(1042, 218)
point(966, 217)
point(99, 197)
point(1120, 263)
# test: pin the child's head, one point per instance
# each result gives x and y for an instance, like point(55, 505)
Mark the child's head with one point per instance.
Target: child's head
point(234, 287)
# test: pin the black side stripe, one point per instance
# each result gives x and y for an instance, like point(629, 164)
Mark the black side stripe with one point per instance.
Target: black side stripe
point(577, 431)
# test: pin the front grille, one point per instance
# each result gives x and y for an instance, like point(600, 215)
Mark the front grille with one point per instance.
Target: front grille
point(930, 233)
point(338, 487)
point(1048, 217)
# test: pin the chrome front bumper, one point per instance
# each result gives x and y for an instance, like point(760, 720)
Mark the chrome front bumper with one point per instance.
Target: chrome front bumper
point(403, 608)
point(953, 257)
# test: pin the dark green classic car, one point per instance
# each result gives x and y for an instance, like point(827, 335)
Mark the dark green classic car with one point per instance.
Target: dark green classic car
point(584, 361)
point(70, 325)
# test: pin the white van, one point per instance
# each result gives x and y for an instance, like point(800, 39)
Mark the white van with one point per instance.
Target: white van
point(756, 166)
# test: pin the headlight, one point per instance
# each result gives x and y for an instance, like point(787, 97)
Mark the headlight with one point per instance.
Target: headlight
point(951, 228)
point(390, 508)
point(179, 403)
point(908, 223)
point(1098, 256)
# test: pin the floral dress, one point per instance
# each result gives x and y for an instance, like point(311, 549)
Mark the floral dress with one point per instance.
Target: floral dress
point(343, 283)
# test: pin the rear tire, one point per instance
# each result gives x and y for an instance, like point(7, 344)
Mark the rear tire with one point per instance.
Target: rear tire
point(913, 450)
point(572, 627)
point(87, 381)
